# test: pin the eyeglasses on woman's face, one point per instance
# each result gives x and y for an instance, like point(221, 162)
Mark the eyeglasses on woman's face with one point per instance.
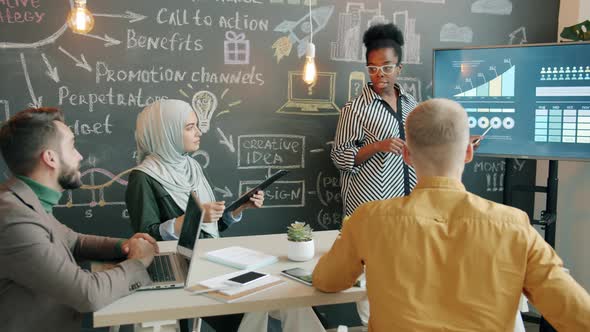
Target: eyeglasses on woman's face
point(385, 69)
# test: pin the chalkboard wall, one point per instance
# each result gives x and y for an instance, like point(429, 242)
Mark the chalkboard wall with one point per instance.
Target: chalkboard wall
point(239, 64)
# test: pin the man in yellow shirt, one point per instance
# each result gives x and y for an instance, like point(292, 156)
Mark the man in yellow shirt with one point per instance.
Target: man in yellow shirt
point(443, 259)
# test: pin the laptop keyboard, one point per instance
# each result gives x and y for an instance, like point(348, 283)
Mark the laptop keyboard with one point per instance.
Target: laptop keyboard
point(161, 269)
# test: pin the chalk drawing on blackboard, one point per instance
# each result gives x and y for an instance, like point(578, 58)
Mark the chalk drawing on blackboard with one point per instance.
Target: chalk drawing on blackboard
point(495, 7)
point(328, 189)
point(282, 47)
point(201, 154)
point(35, 102)
point(109, 41)
point(129, 15)
point(356, 83)
point(237, 102)
point(204, 103)
point(451, 32)
point(96, 191)
point(82, 63)
point(228, 142)
point(317, 99)
point(429, 90)
point(225, 192)
point(271, 151)
point(51, 71)
point(411, 85)
point(517, 36)
point(279, 193)
point(222, 94)
point(236, 49)
point(41, 42)
point(298, 32)
point(411, 49)
point(351, 25)
point(49, 40)
point(330, 220)
point(495, 182)
point(4, 104)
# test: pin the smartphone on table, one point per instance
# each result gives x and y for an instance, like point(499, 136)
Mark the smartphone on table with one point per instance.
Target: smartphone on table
point(245, 278)
point(298, 274)
point(305, 276)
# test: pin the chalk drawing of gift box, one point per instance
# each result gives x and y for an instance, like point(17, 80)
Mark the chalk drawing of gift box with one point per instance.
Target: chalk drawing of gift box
point(236, 49)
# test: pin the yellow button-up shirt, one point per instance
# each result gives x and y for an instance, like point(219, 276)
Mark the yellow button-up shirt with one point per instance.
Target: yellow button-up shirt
point(443, 259)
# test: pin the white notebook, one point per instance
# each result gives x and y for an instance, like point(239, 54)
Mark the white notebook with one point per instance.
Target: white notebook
point(241, 258)
point(219, 283)
point(216, 288)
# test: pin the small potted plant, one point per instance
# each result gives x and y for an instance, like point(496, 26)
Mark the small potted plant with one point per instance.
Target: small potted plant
point(301, 246)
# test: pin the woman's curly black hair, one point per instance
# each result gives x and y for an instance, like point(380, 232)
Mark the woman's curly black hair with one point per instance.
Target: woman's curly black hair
point(384, 36)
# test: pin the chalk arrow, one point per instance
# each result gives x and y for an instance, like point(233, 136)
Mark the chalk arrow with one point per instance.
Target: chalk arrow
point(226, 192)
point(35, 102)
point(518, 164)
point(129, 15)
point(514, 34)
point(225, 141)
point(79, 63)
point(110, 41)
point(51, 71)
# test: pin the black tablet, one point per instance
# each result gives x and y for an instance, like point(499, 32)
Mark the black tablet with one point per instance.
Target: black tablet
point(261, 186)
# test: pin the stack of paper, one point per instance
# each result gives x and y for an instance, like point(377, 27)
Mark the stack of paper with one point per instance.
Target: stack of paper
point(241, 258)
point(223, 292)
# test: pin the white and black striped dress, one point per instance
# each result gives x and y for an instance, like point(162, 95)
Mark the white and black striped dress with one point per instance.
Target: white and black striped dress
point(363, 121)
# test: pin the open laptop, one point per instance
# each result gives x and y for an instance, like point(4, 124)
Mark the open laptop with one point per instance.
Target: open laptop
point(170, 270)
point(316, 99)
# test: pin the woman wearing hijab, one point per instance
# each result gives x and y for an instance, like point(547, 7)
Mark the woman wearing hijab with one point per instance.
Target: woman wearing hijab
point(158, 191)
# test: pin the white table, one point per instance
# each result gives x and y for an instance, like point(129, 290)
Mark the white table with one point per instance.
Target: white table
point(147, 306)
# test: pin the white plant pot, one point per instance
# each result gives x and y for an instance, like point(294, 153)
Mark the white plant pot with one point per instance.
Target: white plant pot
point(301, 251)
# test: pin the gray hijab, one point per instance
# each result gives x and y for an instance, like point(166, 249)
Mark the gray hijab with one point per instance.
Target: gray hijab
point(159, 136)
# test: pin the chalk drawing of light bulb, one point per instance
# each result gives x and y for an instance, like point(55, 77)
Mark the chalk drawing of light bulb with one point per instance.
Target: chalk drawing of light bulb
point(204, 104)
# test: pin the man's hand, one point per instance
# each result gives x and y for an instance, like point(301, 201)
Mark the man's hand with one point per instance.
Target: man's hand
point(145, 236)
point(392, 145)
point(213, 211)
point(142, 250)
point(475, 141)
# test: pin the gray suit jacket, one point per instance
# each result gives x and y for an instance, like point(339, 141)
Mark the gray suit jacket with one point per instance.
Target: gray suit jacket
point(41, 286)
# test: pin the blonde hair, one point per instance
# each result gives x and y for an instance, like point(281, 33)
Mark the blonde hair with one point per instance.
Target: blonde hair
point(437, 133)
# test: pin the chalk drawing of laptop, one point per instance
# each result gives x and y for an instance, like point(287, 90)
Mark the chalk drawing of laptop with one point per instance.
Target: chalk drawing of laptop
point(314, 99)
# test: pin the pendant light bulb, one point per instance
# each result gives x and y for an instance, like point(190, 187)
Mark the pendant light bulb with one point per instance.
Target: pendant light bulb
point(309, 71)
point(80, 19)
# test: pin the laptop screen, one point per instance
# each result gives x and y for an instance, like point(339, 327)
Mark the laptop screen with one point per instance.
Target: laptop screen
point(193, 217)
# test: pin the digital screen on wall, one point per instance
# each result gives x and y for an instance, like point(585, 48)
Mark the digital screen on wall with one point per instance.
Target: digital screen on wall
point(535, 98)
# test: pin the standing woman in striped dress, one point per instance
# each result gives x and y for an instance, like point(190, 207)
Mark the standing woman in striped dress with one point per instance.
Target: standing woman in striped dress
point(370, 134)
